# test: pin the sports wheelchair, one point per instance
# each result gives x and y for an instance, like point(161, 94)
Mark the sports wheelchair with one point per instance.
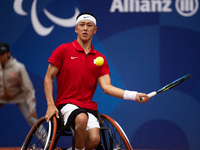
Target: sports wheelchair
point(45, 135)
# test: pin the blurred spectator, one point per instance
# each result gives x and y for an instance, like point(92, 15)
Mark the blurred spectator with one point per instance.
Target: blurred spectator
point(16, 86)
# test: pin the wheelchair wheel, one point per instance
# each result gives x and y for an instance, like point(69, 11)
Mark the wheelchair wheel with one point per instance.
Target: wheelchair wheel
point(41, 136)
point(120, 140)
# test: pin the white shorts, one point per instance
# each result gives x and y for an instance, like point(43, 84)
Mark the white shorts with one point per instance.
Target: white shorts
point(92, 120)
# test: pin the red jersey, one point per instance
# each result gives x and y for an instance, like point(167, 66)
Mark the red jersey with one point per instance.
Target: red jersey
point(78, 74)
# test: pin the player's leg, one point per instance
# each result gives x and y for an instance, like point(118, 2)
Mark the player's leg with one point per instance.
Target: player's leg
point(83, 123)
point(92, 138)
point(80, 130)
point(120, 140)
point(92, 132)
point(69, 112)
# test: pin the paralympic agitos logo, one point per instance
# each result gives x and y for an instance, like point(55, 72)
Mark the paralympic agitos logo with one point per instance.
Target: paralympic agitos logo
point(38, 27)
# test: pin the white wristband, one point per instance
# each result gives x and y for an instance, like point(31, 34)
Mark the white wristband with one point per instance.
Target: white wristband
point(129, 95)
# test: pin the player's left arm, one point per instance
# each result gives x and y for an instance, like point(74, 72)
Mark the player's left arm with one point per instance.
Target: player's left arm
point(105, 83)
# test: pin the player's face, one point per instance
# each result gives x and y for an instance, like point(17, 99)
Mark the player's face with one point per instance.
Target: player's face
point(85, 30)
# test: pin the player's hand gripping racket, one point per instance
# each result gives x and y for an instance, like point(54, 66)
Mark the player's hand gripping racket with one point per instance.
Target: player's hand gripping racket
point(168, 86)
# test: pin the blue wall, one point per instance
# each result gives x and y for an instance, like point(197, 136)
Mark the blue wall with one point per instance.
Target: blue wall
point(148, 43)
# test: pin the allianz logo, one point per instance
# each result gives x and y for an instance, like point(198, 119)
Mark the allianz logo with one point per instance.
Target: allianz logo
point(186, 8)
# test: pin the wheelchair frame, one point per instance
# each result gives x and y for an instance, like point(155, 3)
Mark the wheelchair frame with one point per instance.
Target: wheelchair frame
point(45, 136)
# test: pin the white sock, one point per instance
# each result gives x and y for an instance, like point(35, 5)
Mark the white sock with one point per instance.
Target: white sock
point(80, 149)
point(75, 148)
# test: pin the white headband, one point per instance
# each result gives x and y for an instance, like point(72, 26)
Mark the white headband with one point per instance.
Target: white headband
point(86, 17)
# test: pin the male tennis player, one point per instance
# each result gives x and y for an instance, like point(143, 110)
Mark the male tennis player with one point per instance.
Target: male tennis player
point(77, 76)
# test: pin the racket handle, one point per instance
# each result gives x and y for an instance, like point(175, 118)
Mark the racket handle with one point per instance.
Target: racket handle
point(150, 95)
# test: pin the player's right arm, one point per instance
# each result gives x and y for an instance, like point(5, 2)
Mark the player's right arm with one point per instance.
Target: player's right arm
point(105, 83)
point(48, 89)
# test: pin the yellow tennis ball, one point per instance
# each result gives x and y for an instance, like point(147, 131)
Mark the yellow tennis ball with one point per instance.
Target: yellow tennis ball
point(99, 61)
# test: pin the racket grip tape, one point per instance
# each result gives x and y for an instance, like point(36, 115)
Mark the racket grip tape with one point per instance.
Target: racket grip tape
point(150, 95)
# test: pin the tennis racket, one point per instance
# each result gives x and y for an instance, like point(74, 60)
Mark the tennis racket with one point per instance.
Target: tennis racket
point(168, 86)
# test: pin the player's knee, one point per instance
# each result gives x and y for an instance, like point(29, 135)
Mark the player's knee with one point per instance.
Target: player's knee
point(81, 121)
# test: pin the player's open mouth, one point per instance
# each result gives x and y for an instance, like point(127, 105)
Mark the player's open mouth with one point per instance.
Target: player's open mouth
point(85, 34)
